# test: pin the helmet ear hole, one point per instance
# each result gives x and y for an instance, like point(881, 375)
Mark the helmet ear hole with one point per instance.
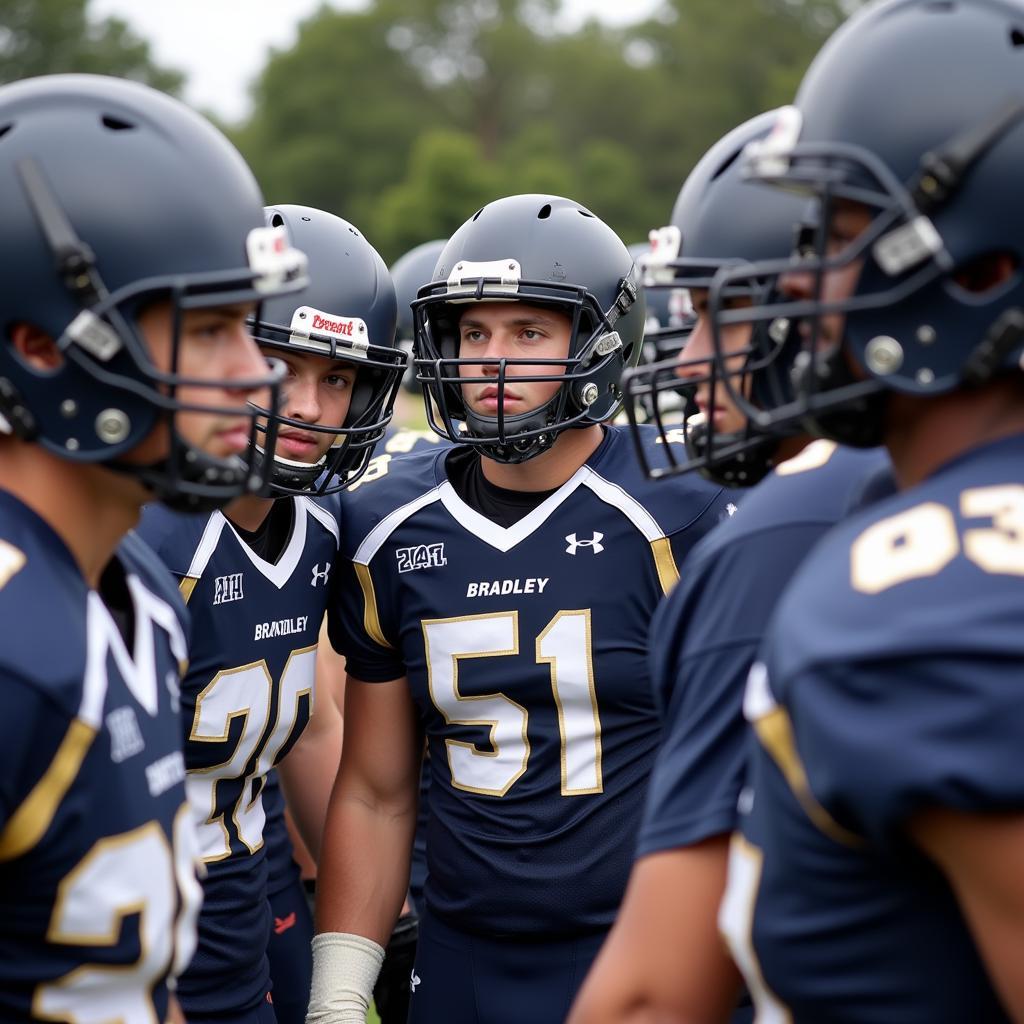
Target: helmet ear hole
point(1016, 37)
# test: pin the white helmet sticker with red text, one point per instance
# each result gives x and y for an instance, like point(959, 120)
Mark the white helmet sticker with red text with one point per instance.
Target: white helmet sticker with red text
point(272, 258)
point(347, 332)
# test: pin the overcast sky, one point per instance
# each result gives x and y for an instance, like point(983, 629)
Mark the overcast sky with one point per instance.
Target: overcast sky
point(221, 45)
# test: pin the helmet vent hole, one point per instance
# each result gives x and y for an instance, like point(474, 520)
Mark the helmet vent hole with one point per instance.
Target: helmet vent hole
point(478, 212)
point(116, 124)
point(585, 213)
point(545, 212)
point(4, 129)
point(1016, 37)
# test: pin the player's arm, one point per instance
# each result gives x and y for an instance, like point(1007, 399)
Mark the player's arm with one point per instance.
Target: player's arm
point(174, 1013)
point(308, 772)
point(364, 867)
point(662, 960)
point(981, 855)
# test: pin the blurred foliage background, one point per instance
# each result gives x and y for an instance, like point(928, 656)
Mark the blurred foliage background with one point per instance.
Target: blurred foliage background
point(408, 115)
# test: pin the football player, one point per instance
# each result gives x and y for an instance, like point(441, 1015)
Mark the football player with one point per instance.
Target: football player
point(391, 992)
point(132, 253)
point(495, 596)
point(662, 956)
point(877, 873)
point(255, 578)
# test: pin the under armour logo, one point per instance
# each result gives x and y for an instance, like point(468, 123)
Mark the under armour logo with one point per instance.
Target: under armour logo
point(594, 543)
point(731, 509)
point(282, 924)
point(318, 575)
point(414, 980)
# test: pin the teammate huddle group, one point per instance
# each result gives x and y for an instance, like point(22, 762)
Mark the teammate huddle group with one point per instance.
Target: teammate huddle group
point(743, 668)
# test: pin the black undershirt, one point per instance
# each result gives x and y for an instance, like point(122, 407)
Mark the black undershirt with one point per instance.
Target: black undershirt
point(501, 506)
point(271, 537)
point(113, 588)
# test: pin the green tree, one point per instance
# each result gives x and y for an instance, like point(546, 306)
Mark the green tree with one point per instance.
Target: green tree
point(710, 66)
point(407, 115)
point(448, 178)
point(41, 37)
point(336, 116)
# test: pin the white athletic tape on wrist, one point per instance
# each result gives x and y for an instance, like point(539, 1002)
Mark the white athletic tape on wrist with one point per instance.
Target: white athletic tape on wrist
point(345, 969)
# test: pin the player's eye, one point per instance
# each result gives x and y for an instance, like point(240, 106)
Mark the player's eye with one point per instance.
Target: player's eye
point(209, 329)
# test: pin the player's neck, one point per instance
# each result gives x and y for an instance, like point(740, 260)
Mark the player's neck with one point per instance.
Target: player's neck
point(248, 512)
point(790, 448)
point(90, 508)
point(548, 471)
point(925, 433)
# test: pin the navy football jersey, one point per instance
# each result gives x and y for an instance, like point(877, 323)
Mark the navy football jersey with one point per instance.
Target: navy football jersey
point(246, 698)
point(525, 653)
point(706, 633)
point(282, 869)
point(889, 683)
point(401, 441)
point(98, 891)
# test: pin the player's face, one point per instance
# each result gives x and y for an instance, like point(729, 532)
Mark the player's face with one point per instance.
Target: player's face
point(697, 358)
point(847, 222)
point(316, 390)
point(511, 330)
point(215, 345)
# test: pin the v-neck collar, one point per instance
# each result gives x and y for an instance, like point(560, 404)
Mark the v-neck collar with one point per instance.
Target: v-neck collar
point(279, 572)
point(501, 537)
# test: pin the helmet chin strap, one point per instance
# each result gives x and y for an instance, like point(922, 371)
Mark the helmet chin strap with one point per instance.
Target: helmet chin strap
point(858, 422)
point(289, 473)
point(487, 427)
point(162, 479)
point(748, 465)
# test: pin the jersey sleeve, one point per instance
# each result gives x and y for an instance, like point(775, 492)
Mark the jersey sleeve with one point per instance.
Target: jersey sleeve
point(32, 730)
point(703, 641)
point(884, 740)
point(354, 626)
point(698, 772)
point(721, 506)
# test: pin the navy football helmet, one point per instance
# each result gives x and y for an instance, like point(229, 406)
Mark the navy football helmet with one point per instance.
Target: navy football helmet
point(669, 311)
point(347, 312)
point(409, 273)
point(115, 196)
point(545, 251)
point(718, 221)
point(875, 124)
